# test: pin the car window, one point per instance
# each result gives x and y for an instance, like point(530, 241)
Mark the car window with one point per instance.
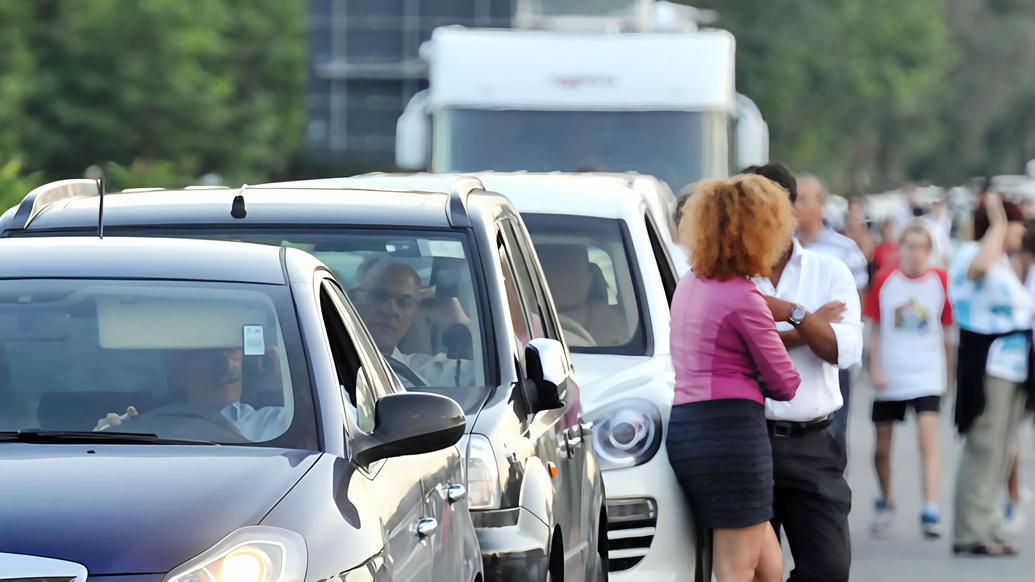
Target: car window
point(661, 258)
point(518, 314)
point(352, 374)
point(594, 281)
point(418, 293)
point(195, 361)
point(530, 293)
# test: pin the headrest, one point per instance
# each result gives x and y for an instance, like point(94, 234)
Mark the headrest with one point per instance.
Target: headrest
point(567, 271)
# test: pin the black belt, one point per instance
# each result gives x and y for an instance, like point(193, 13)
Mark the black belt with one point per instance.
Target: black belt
point(784, 429)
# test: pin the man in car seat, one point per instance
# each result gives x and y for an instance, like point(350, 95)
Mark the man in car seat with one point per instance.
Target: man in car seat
point(387, 298)
point(211, 379)
point(580, 294)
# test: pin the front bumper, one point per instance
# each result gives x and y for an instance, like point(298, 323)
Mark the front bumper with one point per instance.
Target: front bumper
point(662, 548)
point(514, 543)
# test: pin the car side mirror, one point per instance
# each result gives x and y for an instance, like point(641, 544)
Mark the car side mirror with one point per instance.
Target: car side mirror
point(410, 423)
point(547, 371)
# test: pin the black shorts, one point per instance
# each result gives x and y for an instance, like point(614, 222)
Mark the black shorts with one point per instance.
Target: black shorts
point(889, 411)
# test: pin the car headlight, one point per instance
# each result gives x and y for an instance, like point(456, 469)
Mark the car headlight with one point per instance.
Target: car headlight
point(483, 475)
point(249, 554)
point(626, 433)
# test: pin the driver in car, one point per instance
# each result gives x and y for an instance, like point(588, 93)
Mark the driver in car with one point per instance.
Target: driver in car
point(387, 297)
point(210, 380)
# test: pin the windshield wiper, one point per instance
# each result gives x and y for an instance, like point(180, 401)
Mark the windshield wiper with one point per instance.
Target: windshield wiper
point(38, 436)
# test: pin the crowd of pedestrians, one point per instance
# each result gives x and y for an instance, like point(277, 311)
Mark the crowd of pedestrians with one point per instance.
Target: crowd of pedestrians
point(771, 322)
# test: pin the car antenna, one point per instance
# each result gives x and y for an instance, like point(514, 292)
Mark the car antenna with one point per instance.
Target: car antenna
point(237, 209)
point(100, 207)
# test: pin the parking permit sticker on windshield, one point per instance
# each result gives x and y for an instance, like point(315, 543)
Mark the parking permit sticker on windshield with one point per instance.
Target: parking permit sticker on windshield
point(254, 343)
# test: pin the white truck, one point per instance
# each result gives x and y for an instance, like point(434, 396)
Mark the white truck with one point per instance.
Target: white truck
point(583, 86)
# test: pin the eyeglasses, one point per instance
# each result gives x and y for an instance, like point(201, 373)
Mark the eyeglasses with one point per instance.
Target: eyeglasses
point(381, 297)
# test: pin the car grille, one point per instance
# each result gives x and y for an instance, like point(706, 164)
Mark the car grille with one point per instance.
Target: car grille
point(631, 524)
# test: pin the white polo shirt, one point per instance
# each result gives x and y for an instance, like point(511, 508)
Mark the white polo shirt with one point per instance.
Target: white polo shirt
point(812, 279)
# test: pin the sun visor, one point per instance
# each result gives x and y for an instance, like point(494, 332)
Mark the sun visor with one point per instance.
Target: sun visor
point(159, 323)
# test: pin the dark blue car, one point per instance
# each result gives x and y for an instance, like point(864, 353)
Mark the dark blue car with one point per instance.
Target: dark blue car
point(195, 411)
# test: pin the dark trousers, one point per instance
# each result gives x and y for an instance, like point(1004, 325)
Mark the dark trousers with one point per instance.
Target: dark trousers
point(811, 501)
point(840, 423)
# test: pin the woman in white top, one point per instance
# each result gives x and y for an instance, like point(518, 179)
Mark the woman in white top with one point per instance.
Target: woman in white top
point(995, 313)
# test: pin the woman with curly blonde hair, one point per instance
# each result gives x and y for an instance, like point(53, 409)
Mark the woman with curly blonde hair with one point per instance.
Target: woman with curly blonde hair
point(728, 358)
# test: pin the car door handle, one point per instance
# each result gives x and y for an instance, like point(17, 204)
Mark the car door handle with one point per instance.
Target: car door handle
point(456, 493)
point(427, 526)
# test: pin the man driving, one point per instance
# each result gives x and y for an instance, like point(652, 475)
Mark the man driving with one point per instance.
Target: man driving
point(387, 297)
point(211, 380)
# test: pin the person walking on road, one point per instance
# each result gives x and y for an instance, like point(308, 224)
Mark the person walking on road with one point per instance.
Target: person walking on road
point(993, 379)
point(727, 357)
point(815, 236)
point(910, 358)
point(824, 333)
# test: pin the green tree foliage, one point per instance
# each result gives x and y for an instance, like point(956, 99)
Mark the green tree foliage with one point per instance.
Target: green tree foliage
point(874, 92)
point(840, 83)
point(193, 85)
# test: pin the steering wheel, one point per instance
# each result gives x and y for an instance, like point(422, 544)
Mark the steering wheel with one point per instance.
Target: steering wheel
point(181, 421)
point(404, 372)
point(574, 333)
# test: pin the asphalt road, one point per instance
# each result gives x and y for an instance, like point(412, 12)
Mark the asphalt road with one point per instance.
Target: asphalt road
point(905, 556)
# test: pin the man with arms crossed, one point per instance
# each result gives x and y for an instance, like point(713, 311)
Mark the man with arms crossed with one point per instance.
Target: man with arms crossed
point(811, 498)
point(817, 237)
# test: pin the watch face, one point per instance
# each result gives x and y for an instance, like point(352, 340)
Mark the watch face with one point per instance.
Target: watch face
point(797, 313)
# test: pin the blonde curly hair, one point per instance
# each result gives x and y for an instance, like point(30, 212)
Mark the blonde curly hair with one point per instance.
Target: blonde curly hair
point(737, 227)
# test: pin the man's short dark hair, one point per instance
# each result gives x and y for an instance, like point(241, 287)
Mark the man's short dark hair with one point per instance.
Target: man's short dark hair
point(684, 195)
point(780, 174)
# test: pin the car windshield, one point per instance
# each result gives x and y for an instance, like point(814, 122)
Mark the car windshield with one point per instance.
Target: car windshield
point(194, 361)
point(593, 281)
point(415, 292)
point(472, 140)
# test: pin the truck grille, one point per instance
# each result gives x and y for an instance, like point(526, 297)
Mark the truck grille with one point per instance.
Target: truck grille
point(631, 524)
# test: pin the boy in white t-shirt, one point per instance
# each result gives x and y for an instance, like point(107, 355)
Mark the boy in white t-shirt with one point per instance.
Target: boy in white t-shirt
point(910, 359)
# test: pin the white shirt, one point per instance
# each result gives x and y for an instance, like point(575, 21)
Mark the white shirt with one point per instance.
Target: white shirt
point(680, 259)
point(997, 303)
point(438, 370)
point(812, 280)
point(913, 313)
point(941, 253)
point(257, 425)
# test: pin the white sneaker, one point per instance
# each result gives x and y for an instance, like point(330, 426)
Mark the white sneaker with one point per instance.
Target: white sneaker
point(1016, 513)
point(883, 514)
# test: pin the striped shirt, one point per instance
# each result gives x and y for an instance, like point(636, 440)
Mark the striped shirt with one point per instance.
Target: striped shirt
point(831, 243)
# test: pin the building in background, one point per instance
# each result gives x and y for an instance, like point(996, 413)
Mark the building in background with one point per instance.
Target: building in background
point(364, 68)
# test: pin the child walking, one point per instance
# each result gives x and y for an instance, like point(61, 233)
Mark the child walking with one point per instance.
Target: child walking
point(910, 363)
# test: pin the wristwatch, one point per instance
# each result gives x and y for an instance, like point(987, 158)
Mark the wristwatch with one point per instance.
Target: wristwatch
point(797, 315)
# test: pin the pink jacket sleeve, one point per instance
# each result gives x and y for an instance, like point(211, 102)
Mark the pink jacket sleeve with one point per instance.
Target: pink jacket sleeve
point(754, 322)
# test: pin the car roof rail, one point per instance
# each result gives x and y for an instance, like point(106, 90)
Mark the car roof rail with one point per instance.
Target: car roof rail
point(458, 193)
point(47, 194)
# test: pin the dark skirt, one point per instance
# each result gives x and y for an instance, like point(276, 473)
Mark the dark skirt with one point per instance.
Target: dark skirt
point(720, 452)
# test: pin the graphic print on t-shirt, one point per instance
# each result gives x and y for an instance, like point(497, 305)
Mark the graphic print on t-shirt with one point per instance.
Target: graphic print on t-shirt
point(913, 316)
point(912, 313)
